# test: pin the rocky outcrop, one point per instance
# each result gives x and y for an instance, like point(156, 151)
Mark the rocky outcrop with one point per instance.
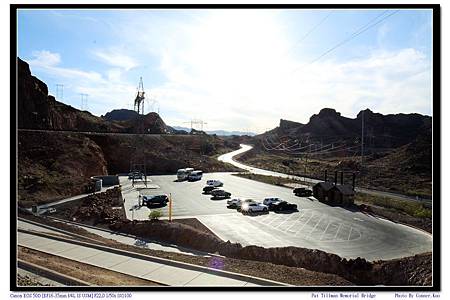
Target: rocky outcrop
point(120, 115)
point(39, 110)
point(381, 131)
point(33, 105)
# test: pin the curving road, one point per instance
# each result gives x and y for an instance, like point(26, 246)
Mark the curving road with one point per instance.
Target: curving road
point(228, 158)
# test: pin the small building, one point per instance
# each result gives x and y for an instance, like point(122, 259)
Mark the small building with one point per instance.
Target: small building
point(321, 189)
point(342, 195)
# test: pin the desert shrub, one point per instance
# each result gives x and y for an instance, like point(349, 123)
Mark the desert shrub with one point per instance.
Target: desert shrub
point(155, 215)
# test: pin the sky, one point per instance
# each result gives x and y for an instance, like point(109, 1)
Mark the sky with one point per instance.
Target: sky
point(234, 69)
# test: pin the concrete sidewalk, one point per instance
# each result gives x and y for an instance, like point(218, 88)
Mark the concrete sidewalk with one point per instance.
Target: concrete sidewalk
point(159, 270)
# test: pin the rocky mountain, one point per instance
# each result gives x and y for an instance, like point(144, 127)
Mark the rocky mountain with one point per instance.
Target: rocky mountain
point(120, 115)
point(39, 110)
point(380, 131)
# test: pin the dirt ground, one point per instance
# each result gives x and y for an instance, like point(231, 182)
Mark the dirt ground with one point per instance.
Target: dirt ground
point(85, 272)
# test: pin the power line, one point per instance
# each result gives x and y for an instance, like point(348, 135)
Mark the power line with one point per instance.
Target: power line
point(309, 32)
point(358, 32)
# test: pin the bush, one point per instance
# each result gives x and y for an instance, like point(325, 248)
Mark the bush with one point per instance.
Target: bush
point(155, 215)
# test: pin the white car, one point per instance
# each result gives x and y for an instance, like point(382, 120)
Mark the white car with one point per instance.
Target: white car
point(237, 202)
point(253, 207)
point(268, 201)
point(214, 182)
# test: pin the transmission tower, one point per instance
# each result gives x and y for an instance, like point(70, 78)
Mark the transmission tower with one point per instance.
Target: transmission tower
point(59, 91)
point(139, 100)
point(138, 161)
point(84, 101)
point(196, 122)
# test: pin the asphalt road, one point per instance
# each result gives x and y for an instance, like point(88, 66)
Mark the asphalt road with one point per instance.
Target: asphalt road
point(228, 158)
point(316, 225)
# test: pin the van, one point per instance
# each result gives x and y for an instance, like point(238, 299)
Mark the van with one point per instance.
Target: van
point(195, 175)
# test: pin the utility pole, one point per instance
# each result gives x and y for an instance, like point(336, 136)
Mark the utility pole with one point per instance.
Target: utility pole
point(362, 138)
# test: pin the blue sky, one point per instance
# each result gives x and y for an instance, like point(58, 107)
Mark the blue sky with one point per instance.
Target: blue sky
point(234, 69)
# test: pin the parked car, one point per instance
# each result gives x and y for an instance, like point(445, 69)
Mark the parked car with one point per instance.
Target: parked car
point(282, 206)
point(154, 200)
point(232, 203)
point(208, 189)
point(214, 182)
point(135, 175)
point(244, 202)
point(302, 192)
point(219, 193)
point(252, 207)
point(270, 200)
point(236, 202)
point(51, 210)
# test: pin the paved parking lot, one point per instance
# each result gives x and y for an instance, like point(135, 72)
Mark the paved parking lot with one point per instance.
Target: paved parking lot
point(316, 225)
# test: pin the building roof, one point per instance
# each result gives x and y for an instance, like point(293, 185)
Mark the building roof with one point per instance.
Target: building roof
point(345, 189)
point(324, 185)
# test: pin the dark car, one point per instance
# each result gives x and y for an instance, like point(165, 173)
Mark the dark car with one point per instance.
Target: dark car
point(155, 200)
point(208, 189)
point(283, 206)
point(135, 175)
point(302, 192)
point(218, 193)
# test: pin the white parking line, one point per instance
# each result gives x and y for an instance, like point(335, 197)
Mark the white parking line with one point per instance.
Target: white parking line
point(295, 222)
point(312, 214)
point(329, 222)
point(320, 220)
point(287, 219)
point(276, 218)
point(337, 231)
point(350, 233)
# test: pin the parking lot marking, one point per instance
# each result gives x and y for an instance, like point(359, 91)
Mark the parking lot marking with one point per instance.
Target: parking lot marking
point(295, 222)
point(337, 231)
point(314, 228)
point(275, 218)
point(287, 219)
point(312, 214)
point(329, 222)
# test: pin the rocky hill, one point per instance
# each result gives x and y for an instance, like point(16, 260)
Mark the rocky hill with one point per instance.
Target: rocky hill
point(397, 149)
point(381, 131)
point(120, 115)
point(39, 110)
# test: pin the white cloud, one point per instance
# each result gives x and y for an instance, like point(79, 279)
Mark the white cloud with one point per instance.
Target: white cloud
point(234, 75)
point(106, 91)
point(234, 70)
point(116, 58)
point(45, 58)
